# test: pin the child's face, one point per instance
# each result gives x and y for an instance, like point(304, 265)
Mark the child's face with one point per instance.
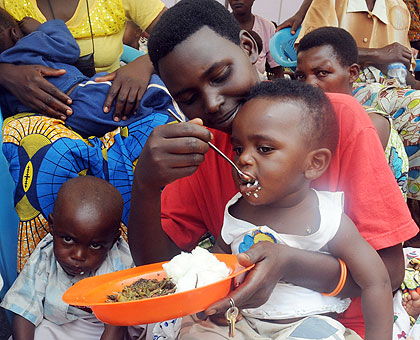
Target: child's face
point(320, 67)
point(269, 146)
point(82, 239)
point(241, 6)
point(210, 77)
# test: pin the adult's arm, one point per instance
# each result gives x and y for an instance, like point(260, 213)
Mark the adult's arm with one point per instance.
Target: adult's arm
point(296, 20)
point(313, 270)
point(129, 82)
point(114, 332)
point(172, 151)
point(22, 329)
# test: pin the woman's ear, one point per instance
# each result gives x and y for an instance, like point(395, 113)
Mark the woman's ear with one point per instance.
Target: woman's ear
point(354, 71)
point(317, 162)
point(249, 45)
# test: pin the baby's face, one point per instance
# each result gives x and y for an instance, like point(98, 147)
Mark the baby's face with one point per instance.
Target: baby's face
point(82, 240)
point(320, 67)
point(269, 147)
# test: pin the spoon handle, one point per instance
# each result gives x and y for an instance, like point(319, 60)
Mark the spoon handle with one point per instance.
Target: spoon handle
point(214, 147)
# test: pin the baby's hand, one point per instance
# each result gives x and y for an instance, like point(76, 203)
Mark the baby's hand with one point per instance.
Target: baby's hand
point(28, 25)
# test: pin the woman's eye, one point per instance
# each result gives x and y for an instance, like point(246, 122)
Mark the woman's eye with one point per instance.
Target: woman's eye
point(67, 239)
point(187, 101)
point(323, 73)
point(95, 246)
point(300, 77)
point(224, 74)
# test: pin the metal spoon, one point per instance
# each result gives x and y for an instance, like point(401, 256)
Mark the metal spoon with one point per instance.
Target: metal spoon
point(241, 174)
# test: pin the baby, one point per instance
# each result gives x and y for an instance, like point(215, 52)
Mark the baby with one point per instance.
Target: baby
point(84, 241)
point(51, 44)
point(284, 137)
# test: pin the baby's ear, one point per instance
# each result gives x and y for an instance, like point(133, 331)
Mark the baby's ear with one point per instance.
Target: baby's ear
point(51, 223)
point(317, 162)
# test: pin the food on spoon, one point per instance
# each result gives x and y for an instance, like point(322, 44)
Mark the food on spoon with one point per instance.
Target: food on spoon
point(185, 271)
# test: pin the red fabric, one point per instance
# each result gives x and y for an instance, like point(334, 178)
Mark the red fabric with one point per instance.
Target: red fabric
point(194, 205)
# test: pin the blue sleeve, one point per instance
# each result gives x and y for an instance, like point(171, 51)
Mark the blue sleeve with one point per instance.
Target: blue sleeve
point(52, 41)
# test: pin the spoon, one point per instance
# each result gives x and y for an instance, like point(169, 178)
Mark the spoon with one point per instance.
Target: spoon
point(242, 175)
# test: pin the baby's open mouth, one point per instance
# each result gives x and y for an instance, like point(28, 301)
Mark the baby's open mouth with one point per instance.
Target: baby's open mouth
point(249, 186)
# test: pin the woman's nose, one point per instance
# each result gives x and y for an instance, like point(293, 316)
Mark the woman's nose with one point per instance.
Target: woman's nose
point(212, 101)
point(312, 80)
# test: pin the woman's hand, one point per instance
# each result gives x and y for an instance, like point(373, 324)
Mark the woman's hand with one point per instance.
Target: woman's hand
point(28, 84)
point(172, 151)
point(382, 57)
point(129, 84)
point(260, 281)
point(293, 22)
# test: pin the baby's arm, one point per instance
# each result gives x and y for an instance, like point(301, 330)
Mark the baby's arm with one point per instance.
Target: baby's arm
point(113, 332)
point(28, 25)
point(369, 272)
point(22, 329)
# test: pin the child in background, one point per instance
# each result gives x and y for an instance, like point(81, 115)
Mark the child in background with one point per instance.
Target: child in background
point(84, 241)
point(283, 142)
point(327, 58)
point(242, 11)
point(51, 44)
point(135, 37)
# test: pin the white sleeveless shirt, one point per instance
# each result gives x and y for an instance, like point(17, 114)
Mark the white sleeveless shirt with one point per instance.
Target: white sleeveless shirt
point(287, 300)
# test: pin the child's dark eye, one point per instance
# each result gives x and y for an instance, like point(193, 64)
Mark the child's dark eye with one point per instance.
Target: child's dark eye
point(96, 246)
point(67, 239)
point(222, 76)
point(237, 150)
point(265, 149)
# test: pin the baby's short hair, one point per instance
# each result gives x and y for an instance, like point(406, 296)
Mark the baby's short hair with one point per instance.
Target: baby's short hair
point(184, 19)
point(6, 21)
point(341, 41)
point(318, 122)
point(94, 192)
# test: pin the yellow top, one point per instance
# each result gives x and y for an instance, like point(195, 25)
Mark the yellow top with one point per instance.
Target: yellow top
point(108, 19)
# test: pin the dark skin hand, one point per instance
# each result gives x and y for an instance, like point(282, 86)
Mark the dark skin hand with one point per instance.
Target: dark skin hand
point(22, 329)
point(129, 83)
point(28, 84)
point(296, 20)
point(113, 332)
point(172, 151)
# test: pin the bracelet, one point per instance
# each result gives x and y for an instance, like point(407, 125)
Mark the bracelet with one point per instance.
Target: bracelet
point(341, 282)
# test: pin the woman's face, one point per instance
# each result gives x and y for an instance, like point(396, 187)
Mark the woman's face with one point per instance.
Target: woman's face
point(210, 77)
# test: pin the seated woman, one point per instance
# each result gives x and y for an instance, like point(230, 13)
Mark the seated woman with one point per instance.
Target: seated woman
point(42, 152)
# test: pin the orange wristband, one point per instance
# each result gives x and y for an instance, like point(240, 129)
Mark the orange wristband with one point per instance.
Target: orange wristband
point(341, 282)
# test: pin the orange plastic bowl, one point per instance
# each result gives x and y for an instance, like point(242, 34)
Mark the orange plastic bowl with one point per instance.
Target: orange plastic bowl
point(93, 292)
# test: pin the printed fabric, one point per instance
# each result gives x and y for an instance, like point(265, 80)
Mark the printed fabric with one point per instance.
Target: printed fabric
point(402, 105)
point(43, 153)
point(395, 153)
